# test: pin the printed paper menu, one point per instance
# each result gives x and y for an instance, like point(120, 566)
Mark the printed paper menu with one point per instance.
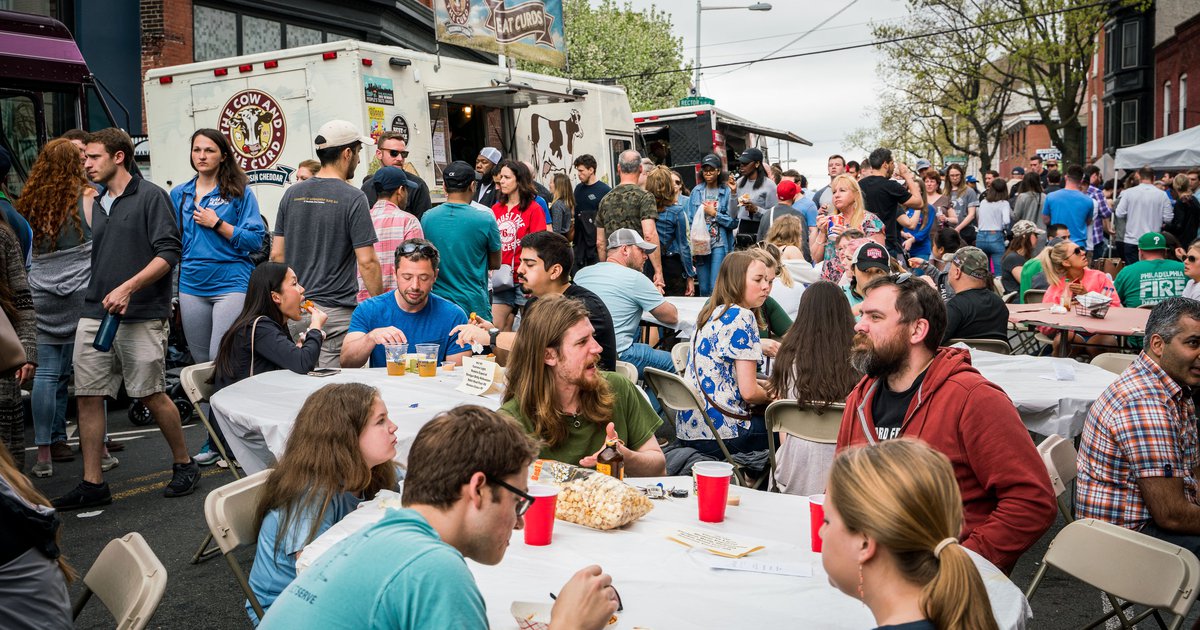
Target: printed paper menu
point(713, 543)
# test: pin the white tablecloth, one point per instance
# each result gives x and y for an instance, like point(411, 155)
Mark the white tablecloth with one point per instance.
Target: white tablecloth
point(689, 310)
point(257, 413)
point(1047, 407)
point(665, 585)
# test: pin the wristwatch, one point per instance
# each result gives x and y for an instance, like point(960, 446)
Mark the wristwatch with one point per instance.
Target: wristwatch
point(218, 224)
point(493, 332)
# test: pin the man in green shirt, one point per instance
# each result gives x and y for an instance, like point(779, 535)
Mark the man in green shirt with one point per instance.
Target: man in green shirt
point(1153, 278)
point(557, 392)
point(468, 240)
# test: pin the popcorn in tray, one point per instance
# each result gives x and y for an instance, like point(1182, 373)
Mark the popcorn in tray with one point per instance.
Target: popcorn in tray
point(589, 498)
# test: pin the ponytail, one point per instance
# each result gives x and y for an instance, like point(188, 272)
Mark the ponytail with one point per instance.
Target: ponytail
point(1052, 258)
point(955, 597)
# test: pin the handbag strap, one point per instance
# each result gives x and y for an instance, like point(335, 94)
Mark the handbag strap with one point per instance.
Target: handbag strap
point(744, 417)
point(253, 329)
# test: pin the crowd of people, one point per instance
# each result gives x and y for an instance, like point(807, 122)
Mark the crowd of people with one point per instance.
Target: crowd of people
point(851, 294)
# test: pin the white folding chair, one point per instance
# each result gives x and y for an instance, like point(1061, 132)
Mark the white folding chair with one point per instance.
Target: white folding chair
point(811, 423)
point(1058, 454)
point(129, 580)
point(195, 381)
point(679, 356)
point(1130, 565)
point(986, 345)
point(628, 370)
point(229, 511)
point(1114, 362)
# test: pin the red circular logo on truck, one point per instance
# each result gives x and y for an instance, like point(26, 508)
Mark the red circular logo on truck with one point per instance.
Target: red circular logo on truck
point(254, 124)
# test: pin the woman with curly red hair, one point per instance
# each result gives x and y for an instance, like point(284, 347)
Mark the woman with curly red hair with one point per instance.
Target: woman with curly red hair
point(57, 201)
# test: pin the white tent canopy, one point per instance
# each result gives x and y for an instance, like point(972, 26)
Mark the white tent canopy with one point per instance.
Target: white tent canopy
point(1176, 151)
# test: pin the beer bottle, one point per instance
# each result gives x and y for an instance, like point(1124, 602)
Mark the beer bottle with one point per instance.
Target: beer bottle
point(610, 461)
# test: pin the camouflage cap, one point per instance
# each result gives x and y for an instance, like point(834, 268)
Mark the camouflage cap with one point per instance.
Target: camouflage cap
point(973, 262)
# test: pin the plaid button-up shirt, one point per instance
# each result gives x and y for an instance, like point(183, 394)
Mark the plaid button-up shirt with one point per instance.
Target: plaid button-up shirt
point(1143, 426)
point(1102, 212)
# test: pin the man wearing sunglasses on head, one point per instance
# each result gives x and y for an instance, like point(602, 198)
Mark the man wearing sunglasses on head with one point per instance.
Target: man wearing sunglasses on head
point(393, 151)
point(465, 493)
point(411, 314)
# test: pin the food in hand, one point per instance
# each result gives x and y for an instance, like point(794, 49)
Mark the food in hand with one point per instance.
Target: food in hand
point(307, 306)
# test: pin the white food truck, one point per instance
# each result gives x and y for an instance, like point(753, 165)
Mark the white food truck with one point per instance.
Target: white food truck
point(271, 104)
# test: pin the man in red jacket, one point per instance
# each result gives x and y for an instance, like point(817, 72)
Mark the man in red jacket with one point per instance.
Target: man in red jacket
point(912, 388)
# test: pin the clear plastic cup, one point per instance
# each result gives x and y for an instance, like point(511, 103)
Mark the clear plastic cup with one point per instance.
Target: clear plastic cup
point(394, 352)
point(427, 356)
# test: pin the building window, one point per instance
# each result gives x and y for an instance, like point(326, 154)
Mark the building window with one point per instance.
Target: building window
point(1183, 102)
point(1130, 42)
point(299, 36)
point(1094, 150)
point(215, 33)
point(1129, 122)
point(259, 35)
point(1166, 128)
point(1110, 45)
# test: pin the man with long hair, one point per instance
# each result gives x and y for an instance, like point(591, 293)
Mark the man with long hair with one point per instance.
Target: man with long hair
point(558, 393)
point(465, 493)
point(913, 388)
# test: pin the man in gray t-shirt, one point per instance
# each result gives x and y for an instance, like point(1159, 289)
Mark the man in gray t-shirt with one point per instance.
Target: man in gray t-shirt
point(323, 231)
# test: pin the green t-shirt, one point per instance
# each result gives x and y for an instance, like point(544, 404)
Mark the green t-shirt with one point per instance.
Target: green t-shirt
point(633, 419)
point(1031, 268)
point(778, 321)
point(464, 236)
point(626, 206)
point(1150, 282)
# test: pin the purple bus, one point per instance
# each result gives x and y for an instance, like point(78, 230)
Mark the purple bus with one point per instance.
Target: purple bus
point(45, 88)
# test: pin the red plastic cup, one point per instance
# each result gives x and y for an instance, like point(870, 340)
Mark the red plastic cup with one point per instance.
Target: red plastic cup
point(816, 518)
point(712, 489)
point(539, 519)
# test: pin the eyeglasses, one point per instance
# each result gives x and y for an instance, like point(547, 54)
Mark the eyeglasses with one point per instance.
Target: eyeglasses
point(1190, 258)
point(901, 278)
point(524, 499)
point(410, 248)
point(396, 152)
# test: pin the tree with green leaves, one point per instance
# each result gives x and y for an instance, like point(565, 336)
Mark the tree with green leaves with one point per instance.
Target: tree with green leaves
point(613, 40)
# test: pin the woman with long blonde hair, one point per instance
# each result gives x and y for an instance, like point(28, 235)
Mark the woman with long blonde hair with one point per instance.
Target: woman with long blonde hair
point(562, 206)
point(57, 201)
point(849, 212)
point(1068, 275)
point(679, 272)
point(339, 454)
point(892, 515)
point(33, 572)
point(964, 202)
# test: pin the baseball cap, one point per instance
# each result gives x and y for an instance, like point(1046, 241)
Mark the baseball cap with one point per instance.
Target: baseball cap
point(5, 162)
point(973, 262)
point(786, 190)
point(750, 155)
point(492, 154)
point(339, 133)
point(872, 254)
point(458, 176)
point(1151, 241)
point(711, 160)
point(390, 178)
point(971, 179)
point(626, 236)
point(1025, 227)
point(923, 163)
point(1018, 170)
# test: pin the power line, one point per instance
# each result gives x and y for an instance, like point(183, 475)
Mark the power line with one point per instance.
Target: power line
point(815, 30)
point(798, 37)
point(852, 46)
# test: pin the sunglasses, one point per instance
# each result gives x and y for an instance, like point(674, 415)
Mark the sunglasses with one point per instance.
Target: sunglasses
point(524, 500)
point(1051, 164)
point(425, 249)
point(1190, 258)
point(1079, 251)
point(901, 278)
point(396, 152)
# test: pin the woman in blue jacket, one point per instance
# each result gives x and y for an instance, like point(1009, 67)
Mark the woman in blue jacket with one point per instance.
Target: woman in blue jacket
point(672, 225)
point(220, 228)
point(715, 195)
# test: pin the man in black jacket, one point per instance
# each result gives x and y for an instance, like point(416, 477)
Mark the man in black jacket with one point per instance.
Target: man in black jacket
point(135, 244)
point(393, 151)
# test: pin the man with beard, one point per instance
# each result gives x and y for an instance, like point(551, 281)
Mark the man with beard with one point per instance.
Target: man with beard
point(556, 391)
point(485, 165)
point(912, 388)
point(545, 269)
point(410, 314)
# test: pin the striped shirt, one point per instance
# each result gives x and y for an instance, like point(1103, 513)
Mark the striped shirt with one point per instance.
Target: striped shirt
point(392, 227)
point(1143, 426)
point(1102, 212)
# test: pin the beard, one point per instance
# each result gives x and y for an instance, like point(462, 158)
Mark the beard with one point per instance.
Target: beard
point(878, 361)
point(589, 382)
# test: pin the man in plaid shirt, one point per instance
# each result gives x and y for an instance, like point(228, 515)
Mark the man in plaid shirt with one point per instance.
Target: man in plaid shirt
point(1138, 461)
point(1102, 215)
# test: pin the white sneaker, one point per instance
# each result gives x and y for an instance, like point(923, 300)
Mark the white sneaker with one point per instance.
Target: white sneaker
point(206, 456)
point(42, 470)
point(108, 463)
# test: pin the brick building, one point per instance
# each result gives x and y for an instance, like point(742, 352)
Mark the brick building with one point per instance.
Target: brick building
point(1176, 54)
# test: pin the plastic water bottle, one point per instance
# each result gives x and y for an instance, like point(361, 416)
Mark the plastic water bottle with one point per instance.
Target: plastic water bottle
point(108, 332)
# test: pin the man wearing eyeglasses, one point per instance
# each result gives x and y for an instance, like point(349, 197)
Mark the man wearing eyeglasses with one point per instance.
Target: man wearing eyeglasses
point(913, 388)
point(465, 493)
point(393, 151)
point(411, 314)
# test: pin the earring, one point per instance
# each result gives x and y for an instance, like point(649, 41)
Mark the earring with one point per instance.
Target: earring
point(860, 583)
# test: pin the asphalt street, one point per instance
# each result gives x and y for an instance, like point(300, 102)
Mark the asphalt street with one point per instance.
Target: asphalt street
point(207, 596)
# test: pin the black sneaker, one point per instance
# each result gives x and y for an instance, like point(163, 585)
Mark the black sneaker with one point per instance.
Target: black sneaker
point(84, 495)
point(184, 479)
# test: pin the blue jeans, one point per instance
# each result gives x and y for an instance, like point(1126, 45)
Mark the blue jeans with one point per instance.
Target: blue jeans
point(992, 244)
point(707, 268)
point(49, 400)
point(747, 441)
point(643, 356)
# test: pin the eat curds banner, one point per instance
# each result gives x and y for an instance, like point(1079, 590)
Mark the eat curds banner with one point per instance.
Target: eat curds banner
point(527, 29)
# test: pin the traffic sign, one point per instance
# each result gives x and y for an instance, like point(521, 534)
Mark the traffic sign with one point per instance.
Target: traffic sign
point(689, 101)
point(956, 159)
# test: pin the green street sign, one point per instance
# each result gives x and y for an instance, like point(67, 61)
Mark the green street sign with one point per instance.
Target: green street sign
point(690, 101)
point(956, 159)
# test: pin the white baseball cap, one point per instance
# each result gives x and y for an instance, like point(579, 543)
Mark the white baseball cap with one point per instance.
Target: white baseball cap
point(626, 236)
point(339, 133)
